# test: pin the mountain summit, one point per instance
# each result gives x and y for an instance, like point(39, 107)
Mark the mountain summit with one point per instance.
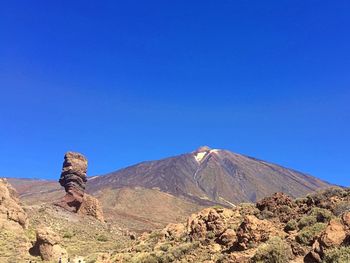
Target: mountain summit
point(209, 176)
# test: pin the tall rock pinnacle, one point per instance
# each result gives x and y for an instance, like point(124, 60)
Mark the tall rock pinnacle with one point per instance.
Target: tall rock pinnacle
point(73, 179)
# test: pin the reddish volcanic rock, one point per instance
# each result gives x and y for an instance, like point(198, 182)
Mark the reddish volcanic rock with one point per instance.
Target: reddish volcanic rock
point(280, 204)
point(334, 235)
point(91, 207)
point(253, 231)
point(73, 179)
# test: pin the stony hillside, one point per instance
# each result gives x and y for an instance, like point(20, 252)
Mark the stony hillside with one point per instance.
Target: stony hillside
point(46, 232)
point(277, 229)
point(211, 176)
point(14, 244)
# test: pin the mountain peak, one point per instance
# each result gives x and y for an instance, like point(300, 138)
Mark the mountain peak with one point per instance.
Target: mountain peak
point(203, 149)
point(212, 175)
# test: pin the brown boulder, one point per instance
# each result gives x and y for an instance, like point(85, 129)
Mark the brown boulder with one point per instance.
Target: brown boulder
point(10, 209)
point(346, 218)
point(316, 253)
point(209, 220)
point(47, 245)
point(91, 207)
point(312, 257)
point(253, 231)
point(334, 234)
point(228, 238)
point(174, 231)
point(279, 204)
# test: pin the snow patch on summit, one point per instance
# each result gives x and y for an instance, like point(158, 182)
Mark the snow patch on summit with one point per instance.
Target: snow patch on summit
point(199, 156)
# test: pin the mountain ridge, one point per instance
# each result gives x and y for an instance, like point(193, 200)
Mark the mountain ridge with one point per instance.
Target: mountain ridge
point(211, 175)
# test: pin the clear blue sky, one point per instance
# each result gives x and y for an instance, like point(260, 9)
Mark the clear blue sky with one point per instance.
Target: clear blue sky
point(128, 81)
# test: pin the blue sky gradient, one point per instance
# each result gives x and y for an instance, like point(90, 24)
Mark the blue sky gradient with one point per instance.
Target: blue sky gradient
point(128, 81)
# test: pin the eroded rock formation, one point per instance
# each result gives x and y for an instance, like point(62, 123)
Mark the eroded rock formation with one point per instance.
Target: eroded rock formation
point(14, 244)
point(91, 207)
point(10, 209)
point(73, 179)
point(47, 245)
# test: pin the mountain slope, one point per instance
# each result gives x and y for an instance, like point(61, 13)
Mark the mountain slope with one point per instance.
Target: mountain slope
point(211, 176)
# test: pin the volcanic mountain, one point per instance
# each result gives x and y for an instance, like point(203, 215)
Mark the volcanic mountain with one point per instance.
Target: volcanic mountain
point(152, 194)
point(209, 176)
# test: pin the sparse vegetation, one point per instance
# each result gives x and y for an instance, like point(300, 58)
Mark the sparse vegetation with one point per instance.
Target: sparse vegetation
point(213, 235)
point(102, 238)
point(321, 215)
point(274, 250)
point(341, 207)
point(265, 214)
point(248, 209)
point(291, 225)
point(308, 234)
point(337, 255)
point(306, 221)
point(68, 235)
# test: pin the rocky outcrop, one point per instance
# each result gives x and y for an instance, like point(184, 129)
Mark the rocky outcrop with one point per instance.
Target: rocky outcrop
point(212, 221)
point(334, 235)
point(317, 232)
point(10, 209)
point(91, 207)
point(174, 231)
point(14, 244)
point(47, 245)
point(73, 179)
point(253, 231)
point(280, 205)
point(228, 238)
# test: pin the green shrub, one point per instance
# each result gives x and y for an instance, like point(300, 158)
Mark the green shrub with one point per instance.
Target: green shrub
point(91, 258)
point(164, 247)
point(341, 207)
point(291, 225)
point(308, 234)
point(183, 249)
point(102, 238)
point(306, 221)
point(248, 209)
point(68, 235)
point(266, 214)
point(41, 209)
point(322, 198)
point(321, 215)
point(210, 235)
point(141, 248)
point(337, 255)
point(156, 235)
point(145, 258)
point(301, 200)
point(285, 209)
point(274, 250)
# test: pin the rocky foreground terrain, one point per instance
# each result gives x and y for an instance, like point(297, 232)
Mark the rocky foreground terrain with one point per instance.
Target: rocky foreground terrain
point(278, 229)
point(74, 226)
